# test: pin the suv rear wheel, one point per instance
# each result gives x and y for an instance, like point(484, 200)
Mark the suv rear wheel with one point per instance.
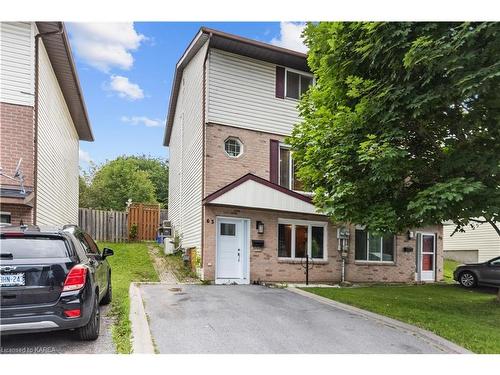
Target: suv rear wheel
point(90, 331)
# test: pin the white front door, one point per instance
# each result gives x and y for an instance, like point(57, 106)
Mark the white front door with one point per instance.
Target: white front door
point(232, 262)
point(427, 256)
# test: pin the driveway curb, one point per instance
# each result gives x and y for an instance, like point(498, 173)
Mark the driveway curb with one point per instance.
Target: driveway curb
point(439, 342)
point(142, 341)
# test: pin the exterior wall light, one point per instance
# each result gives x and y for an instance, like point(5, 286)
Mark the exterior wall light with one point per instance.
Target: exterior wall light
point(260, 227)
point(410, 235)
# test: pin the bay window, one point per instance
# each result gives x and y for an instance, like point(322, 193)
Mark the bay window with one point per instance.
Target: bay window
point(298, 239)
point(372, 248)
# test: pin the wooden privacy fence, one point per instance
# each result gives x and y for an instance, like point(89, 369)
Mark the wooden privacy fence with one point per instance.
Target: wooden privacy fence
point(104, 225)
point(147, 219)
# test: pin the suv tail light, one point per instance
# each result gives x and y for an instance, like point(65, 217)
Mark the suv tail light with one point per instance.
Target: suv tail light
point(75, 279)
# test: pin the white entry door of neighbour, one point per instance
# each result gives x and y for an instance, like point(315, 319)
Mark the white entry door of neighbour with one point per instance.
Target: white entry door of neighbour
point(232, 263)
point(427, 256)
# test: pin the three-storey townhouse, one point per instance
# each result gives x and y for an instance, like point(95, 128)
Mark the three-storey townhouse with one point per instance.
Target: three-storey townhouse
point(233, 191)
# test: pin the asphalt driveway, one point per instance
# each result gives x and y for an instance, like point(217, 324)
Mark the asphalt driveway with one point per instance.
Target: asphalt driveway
point(256, 319)
point(60, 341)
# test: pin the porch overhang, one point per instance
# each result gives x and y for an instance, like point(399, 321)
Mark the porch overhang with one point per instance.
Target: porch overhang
point(251, 191)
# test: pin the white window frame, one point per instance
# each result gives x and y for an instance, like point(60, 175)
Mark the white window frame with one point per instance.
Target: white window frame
point(290, 171)
point(299, 72)
point(368, 260)
point(309, 225)
point(242, 147)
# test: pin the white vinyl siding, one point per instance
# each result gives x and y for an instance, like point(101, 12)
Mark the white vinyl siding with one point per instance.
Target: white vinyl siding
point(17, 63)
point(241, 93)
point(57, 199)
point(484, 239)
point(186, 155)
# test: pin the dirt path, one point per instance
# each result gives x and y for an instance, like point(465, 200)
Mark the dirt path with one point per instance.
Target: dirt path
point(162, 266)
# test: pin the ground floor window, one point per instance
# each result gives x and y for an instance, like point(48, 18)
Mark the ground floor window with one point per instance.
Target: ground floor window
point(5, 217)
point(298, 239)
point(372, 248)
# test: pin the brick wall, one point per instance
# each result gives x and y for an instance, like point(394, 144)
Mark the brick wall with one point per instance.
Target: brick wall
point(18, 213)
point(220, 169)
point(16, 141)
point(266, 266)
point(264, 263)
point(403, 269)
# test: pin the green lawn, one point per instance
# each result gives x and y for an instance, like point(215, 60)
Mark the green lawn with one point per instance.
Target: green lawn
point(468, 318)
point(131, 262)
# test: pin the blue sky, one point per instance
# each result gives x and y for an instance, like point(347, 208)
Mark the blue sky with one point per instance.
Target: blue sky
point(126, 73)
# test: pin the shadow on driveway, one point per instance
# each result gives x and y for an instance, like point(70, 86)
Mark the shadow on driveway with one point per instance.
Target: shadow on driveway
point(60, 341)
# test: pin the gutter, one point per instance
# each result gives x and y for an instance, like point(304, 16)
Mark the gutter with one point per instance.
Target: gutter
point(203, 148)
point(35, 138)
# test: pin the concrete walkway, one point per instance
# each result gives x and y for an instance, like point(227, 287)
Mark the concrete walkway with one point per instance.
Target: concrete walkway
point(255, 319)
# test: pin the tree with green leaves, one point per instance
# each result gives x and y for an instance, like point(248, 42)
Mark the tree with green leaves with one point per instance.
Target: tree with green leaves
point(157, 170)
point(402, 127)
point(117, 181)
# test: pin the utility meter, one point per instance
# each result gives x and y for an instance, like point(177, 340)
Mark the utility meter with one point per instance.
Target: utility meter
point(343, 240)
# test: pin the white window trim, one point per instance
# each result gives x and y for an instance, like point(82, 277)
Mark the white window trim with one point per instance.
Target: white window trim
point(242, 147)
point(300, 73)
point(309, 225)
point(367, 260)
point(290, 170)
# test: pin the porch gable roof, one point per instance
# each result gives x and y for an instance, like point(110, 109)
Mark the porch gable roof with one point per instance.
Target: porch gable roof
point(251, 191)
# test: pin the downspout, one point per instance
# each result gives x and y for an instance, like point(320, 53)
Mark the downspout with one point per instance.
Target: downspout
point(204, 102)
point(35, 125)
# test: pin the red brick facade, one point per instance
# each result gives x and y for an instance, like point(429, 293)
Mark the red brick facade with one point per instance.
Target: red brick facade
point(221, 170)
point(17, 141)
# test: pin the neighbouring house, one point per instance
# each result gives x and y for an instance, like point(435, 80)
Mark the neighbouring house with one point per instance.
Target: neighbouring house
point(233, 195)
point(473, 245)
point(43, 118)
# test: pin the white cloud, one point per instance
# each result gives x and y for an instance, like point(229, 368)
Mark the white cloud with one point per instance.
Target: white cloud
point(142, 120)
point(290, 36)
point(106, 45)
point(125, 88)
point(84, 156)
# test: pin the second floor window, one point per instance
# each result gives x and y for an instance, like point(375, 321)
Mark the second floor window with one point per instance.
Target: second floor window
point(233, 147)
point(287, 172)
point(297, 84)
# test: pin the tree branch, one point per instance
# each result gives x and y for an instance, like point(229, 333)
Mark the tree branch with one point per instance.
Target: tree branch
point(493, 224)
point(478, 221)
point(455, 231)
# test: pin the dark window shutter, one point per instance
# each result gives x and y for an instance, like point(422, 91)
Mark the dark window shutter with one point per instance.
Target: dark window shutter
point(280, 82)
point(360, 245)
point(274, 160)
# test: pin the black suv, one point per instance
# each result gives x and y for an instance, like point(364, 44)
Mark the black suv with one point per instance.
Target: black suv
point(52, 279)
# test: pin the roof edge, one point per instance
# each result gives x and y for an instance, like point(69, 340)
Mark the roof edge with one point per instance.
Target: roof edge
point(249, 176)
point(82, 125)
point(193, 48)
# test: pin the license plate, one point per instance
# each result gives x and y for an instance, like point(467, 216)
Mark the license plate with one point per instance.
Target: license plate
point(11, 279)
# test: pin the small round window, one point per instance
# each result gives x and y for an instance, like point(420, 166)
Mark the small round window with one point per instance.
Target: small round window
point(233, 147)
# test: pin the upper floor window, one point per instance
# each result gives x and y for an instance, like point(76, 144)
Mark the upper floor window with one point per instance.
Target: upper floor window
point(372, 248)
point(297, 84)
point(287, 173)
point(233, 147)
